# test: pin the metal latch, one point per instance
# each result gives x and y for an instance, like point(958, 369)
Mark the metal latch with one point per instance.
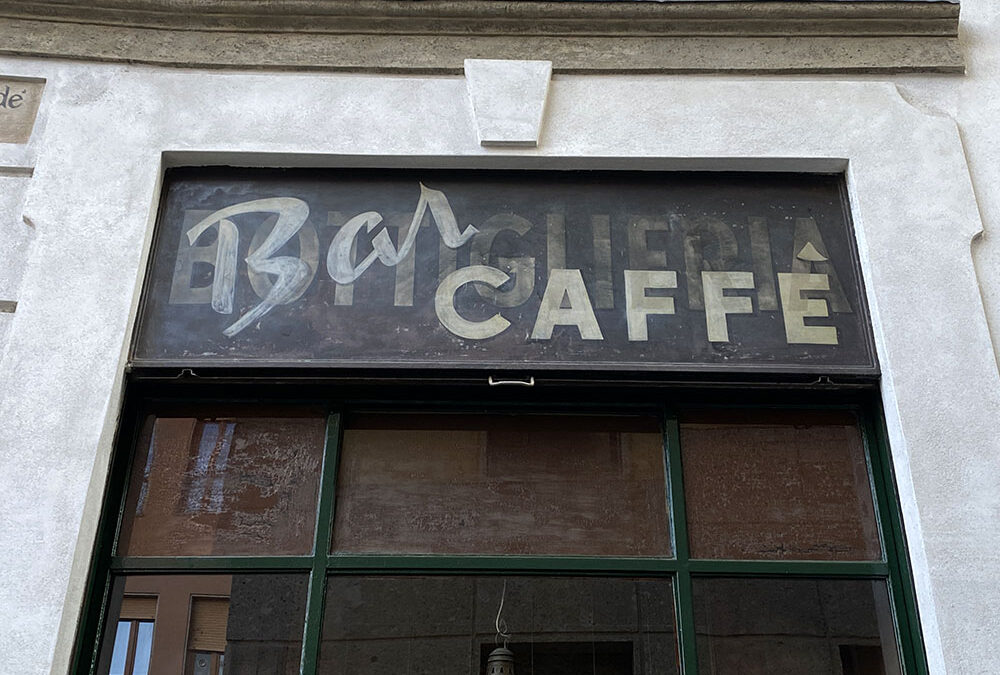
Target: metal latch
point(497, 381)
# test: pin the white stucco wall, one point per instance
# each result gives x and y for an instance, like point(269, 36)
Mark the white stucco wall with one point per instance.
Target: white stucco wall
point(974, 102)
point(979, 119)
point(17, 237)
point(97, 157)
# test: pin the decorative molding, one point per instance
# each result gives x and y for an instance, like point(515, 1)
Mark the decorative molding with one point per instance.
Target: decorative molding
point(436, 36)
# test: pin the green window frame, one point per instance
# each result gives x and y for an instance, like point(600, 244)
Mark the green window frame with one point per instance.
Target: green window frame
point(144, 397)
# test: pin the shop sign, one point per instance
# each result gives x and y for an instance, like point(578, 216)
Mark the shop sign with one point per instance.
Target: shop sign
point(592, 270)
point(19, 99)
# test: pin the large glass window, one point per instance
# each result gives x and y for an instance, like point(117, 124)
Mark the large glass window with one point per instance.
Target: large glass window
point(777, 485)
point(447, 624)
point(502, 484)
point(378, 538)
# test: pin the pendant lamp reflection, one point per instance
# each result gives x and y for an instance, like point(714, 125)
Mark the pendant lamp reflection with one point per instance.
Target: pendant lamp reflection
point(501, 659)
point(501, 662)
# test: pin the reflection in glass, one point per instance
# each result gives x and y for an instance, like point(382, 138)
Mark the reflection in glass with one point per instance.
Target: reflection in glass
point(810, 626)
point(133, 635)
point(776, 485)
point(143, 648)
point(447, 625)
point(224, 486)
point(499, 484)
point(133, 642)
point(120, 655)
point(207, 634)
point(206, 624)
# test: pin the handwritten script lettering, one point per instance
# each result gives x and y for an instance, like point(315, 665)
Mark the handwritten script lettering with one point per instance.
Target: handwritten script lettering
point(565, 301)
point(462, 269)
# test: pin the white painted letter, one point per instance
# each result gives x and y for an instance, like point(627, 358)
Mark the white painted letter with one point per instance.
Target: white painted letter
point(338, 258)
point(580, 313)
point(717, 305)
point(444, 303)
point(293, 274)
point(795, 308)
point(638, 305)
point(444, 218)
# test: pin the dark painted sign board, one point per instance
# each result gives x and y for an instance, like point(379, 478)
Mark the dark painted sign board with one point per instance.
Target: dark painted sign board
point(505, 270)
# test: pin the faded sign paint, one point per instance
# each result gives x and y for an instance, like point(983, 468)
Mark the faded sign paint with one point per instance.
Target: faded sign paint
point(19, 101)
point(504, 269)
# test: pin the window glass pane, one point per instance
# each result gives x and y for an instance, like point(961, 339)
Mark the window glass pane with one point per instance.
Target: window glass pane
point(815, 626)
point(500, 484)
point(777, 485)
point(261, 629)
point(119, 655)
point(236, 485)
point(143, 648)
point(557, 625)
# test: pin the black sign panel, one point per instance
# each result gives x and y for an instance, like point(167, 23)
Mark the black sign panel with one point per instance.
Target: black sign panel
point(515, 270)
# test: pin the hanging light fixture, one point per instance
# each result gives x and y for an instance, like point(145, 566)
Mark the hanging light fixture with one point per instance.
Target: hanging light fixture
point(501, 659)
point(501, 662)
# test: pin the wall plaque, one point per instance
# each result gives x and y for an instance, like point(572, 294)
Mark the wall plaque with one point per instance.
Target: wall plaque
point(505, 270)
point(19, 100)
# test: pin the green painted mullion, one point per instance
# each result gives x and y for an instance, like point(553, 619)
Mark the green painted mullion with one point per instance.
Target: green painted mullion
point(506, 564)
point(551, 408)
point(92, 622)
point(684, 606)
point(324, 533)
point(901, 595)
point(139, 565)
point(799, 568)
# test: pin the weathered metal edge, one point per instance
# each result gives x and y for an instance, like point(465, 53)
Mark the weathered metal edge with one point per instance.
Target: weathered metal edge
point(445, 54)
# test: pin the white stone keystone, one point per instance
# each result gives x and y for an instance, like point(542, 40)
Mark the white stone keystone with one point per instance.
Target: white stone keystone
point(508, 99)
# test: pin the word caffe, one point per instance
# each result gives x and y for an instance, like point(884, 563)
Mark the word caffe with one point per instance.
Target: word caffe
point(464, 271)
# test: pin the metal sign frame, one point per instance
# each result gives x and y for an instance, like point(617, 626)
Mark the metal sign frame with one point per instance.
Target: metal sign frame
point(505, 270)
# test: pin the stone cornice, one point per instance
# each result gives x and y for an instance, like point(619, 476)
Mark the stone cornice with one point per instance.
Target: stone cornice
point(437, 35)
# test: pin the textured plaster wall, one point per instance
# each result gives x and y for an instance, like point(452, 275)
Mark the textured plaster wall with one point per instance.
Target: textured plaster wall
point(16, 236)
point(974, 102)
point(95, 186)
point(968, 515)
point(17, 161)
point(978, 103)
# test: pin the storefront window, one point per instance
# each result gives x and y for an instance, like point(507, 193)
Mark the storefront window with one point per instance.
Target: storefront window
point(777, 485)
point(380, 539)
point(502, 485)
point(313, 475)
point(447, 624)
point(226, 485)
point(803, 625)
